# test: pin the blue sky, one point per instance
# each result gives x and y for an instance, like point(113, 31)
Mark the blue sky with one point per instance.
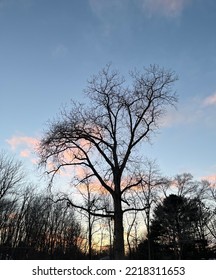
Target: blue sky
point(49, 48)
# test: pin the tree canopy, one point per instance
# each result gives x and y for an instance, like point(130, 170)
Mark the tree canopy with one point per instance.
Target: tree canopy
point(101, 136)
point(178, 226)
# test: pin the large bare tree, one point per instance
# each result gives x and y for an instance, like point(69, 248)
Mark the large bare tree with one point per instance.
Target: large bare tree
point(103, 135)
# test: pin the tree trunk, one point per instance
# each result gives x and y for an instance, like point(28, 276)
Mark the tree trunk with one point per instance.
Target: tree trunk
point(148, 232)
point(89, 236)
point(119, 252)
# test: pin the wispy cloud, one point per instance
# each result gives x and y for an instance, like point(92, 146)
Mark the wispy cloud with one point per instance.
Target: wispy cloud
point(16, 141)
point(25, 145)
point(168, 8)
point(187, 113)
point(210, 178)
point(192, 111)
point(210, 100)
point(25, 153)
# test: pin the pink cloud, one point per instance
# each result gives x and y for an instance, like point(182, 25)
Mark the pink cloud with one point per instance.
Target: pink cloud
point(25, 153)
point(210, 100)
point(17, 141)
point(25, 144)
point(210, 178)
point(169, 8)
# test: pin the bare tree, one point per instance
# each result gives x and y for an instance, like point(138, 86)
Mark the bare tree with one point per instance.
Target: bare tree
point(91, 199)
point(103, 135)
point(149, 193)
point(11, 180)
point(131, 235)
point(11, 175)
point(185, 185)
point(210, 192)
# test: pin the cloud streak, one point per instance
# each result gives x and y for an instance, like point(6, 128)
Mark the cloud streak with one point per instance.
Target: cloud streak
point(168, 8)
point(16, 141)
point(210, 178)
point(195, 110)
point(190, 113)
point(104, 9)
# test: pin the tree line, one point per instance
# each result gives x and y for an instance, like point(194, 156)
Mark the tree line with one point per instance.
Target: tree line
point(31, 225)
point(179, 222)
point(123, 198)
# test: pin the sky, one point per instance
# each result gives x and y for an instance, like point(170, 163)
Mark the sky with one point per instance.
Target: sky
point(50, 48)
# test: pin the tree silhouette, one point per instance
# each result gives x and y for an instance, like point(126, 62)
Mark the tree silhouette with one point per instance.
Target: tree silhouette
point(11, 175)
point(178, 227)
point(102, 136)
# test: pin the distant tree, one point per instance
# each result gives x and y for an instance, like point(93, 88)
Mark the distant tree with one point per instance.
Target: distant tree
point(7, 226)
point(48, 230)
point(149, 193)
point(103, 135)
point(11, 181)
point(208, 192)
point(11, 175)
point(184, 184)
point(91, 198)
point(178, 226)
point(132, 235)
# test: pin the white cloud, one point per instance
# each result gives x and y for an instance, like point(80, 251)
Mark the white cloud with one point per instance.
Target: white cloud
point(193, 111)
point(185, 114)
